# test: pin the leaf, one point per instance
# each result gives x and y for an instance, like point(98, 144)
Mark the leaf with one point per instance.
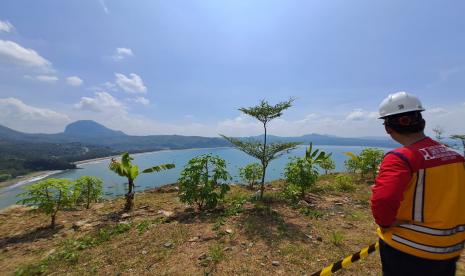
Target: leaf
point(159, 168)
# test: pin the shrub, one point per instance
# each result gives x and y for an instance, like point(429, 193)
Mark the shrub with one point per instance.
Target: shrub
point(366, 163)
point(251, 173)
point(327, 164)
point(88, 189)
point(201, 181)
point(302, 171)
point(125, 168)
point(344, 183)
point(49, 196)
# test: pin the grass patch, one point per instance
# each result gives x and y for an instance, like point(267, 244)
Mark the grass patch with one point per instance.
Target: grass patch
point(70, 248)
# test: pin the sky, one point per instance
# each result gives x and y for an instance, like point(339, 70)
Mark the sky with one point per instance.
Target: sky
point(186, 67)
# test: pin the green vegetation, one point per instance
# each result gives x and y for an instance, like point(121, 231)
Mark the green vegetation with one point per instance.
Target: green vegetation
point(337, 238)
point(201, 181)
point(264, 112)
point(366, 163)
point(344, 183)
point(125, 168)
point(89, 189)
point(251, 173)
point(327, 164)
point(302, 172)
point(49, 196)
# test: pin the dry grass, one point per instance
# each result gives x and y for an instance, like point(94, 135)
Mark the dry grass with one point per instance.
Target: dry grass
point(239, 241)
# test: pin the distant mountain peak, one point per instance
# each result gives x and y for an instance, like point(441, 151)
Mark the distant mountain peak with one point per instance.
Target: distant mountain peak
point(90, 128)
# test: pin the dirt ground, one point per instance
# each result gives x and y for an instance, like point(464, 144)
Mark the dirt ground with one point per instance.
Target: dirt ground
point(162, 236)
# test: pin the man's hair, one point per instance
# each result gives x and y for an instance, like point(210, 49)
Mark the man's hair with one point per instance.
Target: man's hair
point(406, 123)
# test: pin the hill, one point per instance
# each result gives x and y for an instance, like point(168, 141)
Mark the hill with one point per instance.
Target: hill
point(21, 153)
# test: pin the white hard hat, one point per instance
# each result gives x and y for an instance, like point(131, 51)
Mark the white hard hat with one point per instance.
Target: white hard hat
point(399, 102)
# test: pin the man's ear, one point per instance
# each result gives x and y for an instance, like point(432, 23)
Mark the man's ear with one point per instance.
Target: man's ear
point(388, 129)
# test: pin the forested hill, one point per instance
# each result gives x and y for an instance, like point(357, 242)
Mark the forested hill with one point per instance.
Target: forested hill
point(23, 152)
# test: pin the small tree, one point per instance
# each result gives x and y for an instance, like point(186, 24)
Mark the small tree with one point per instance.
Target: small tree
point(125, 168)
point(302, 172)
point(201, 181)
point(327, 164)
point(460, 138)
point(49, 196)
point(371, 158)
point(88, 189)
point(438, 133)
point(262, 151)
point(251, 173)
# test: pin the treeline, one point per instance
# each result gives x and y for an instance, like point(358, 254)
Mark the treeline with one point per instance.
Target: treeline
point(21, 158)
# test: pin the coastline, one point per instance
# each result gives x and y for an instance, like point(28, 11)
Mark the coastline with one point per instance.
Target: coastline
point(26, 179)
point(35, 176)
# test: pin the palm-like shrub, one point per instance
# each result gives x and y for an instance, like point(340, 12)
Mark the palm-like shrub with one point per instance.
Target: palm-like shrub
point(125, 168)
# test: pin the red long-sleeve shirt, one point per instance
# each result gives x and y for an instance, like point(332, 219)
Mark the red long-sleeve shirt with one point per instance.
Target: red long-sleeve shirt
point(395, 174)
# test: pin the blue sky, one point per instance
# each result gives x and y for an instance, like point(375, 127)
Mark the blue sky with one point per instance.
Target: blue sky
point(185, 67)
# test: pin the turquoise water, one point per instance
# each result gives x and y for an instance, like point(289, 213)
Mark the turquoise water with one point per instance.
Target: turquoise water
point(114, 185)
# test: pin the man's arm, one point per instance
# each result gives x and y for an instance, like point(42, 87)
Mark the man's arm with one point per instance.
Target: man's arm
point(394, 176)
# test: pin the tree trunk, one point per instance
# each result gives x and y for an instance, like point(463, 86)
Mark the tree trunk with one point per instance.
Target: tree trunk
point(52, 224)
point(130, 196)
point(262, 185)
point(88, 198)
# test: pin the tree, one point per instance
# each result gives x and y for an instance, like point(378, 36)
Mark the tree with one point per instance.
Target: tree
point(367, 162)
point(302, 172)
point(125, 168)
point(251, 173)
point(201, 181)
point(264, 112)
point(438, 132)
point(327, 164)
point(49, 196)
point(88, 189)
point(371, 158)
point(460, 138)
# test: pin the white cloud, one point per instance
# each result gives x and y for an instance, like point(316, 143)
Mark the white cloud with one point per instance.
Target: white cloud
point(132, 84)
point(102, 102)
point(359, 114)
point(104, 6)
point(142, 100)
point(436, 111)
point(74, 81)
point(47, 78)
point(122, 53)
point(20, 116)
point(5, 26)
point(13, 53)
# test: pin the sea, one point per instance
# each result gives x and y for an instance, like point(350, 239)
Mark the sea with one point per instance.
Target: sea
point(115, 185)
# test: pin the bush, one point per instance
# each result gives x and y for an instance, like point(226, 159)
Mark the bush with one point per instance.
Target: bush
point(251, 173)
point(302, 171)
point(49, 196)
point(88, 189)
point(344, 183)
point(201, 181)
point(327, 164)
point(366, 163)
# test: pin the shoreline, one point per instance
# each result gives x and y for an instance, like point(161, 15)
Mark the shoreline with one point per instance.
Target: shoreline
point(99, 159)
point(26, 179)
point(36, 176)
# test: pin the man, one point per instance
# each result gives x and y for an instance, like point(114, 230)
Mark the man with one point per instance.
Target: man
point(418, 198)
